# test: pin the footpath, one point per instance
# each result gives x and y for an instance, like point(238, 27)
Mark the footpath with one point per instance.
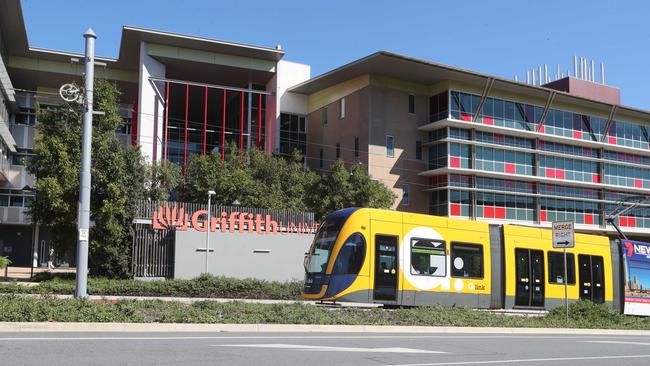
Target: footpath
point(25, 327)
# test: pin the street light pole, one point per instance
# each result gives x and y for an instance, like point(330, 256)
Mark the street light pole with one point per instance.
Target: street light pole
point(207, 232)
point(83, 222)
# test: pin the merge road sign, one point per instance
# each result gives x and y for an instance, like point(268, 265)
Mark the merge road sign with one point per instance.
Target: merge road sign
point(563, 234)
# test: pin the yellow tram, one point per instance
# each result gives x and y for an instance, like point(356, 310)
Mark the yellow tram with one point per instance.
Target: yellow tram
point(398, 258)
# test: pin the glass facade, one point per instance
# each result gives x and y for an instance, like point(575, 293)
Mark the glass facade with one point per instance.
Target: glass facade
point(504, 161)
point(293, 134)
point(551, 180)
point(522, 116)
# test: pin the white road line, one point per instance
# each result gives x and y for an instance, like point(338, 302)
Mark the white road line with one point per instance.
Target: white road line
point(304, 347)
point(523, 360)
point(620, 342)
point(282, 336)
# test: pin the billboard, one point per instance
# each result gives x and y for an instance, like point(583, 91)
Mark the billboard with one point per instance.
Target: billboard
point(637, 277)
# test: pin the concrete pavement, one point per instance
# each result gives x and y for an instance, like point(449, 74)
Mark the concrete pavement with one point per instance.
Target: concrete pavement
point(317, 348)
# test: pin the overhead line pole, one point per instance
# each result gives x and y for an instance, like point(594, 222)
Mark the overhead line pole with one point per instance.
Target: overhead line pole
point(83, 224)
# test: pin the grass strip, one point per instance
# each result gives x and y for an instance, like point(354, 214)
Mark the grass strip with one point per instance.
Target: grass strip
point(20, 309)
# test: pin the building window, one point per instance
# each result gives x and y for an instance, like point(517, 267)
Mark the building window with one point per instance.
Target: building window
point(418, 150)
point(466, 260)
point(293, 134)
point(338, 151)
point(16, 197)
point(390, 148)
point(428, 257)
point(356, 147)
point(412, 103)
point(324, 116)
point(342, 108)
point(320, 161)
point(556, 268)
point(405, 194)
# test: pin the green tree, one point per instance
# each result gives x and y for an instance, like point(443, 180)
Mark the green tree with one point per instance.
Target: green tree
point(342, 187)
point(119, 180)
point(254, 179)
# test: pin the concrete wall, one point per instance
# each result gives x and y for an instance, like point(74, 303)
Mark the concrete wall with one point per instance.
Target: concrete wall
point(290, 74)
point(150, 106)
point(373, 112)
point(273, 257)
point(339, 130)
point(389, 116)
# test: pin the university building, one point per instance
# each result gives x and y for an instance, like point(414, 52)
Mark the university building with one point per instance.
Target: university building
point(458, 143)
point(447, 141)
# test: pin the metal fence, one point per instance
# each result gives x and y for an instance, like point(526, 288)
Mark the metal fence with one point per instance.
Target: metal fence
point(153, 250)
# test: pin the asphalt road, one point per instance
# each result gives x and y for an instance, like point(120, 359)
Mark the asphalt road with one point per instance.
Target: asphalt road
point(64, 348)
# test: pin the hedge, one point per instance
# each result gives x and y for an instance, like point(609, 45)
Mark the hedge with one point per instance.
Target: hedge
point(203, 286)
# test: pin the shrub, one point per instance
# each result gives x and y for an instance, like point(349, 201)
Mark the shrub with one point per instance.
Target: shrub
point(202, 286)
point(4, 262)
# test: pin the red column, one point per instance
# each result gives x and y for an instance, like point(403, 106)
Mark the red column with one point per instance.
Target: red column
point(134, 123)
point(166, 117)
point(187, 99)
point(223, 125)
point(205, 117)
point(259, 119)
point(241, 123)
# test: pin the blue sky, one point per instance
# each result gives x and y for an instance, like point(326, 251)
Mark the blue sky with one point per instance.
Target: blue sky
point(495, 37)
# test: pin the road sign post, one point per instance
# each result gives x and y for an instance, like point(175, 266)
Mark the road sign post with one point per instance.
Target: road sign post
point(563, 237)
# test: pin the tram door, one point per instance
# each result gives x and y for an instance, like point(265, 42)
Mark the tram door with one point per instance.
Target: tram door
point(529, 272)
point(386, 272)
point(592, 277)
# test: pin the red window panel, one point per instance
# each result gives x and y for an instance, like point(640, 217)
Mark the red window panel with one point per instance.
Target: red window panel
point(488, 212)
point(510, 168)
point(454, 209)
point(542, 215)
point(577, 134)
point(631, 221)
point(622, 220)
point(550, 173)
point(589, 219)
point(500, 212)
point(454, 162)
point(612, 140)
point(488, 120)
point(638, 183)
point(595, 178)
point(559, 174)
point(465, 117)
point(541, 129)
point(499, 137)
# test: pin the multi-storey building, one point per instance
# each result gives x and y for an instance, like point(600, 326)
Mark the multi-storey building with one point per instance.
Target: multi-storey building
point(181, 95)
point(458, 143)
point(448, 141)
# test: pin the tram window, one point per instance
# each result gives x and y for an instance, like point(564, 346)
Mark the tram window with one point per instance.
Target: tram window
point(351, 256)
point(466, 260)
point(556, 268)
point(428, 257)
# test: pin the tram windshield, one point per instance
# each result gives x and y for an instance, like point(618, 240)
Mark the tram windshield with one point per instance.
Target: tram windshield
point(321, 248)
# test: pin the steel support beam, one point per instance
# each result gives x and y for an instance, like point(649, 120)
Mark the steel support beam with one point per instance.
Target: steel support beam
point(542, 119)
point(610, 119)
point(486, 90)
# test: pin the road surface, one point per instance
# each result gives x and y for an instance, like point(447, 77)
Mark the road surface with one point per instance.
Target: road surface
point(316, 348)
